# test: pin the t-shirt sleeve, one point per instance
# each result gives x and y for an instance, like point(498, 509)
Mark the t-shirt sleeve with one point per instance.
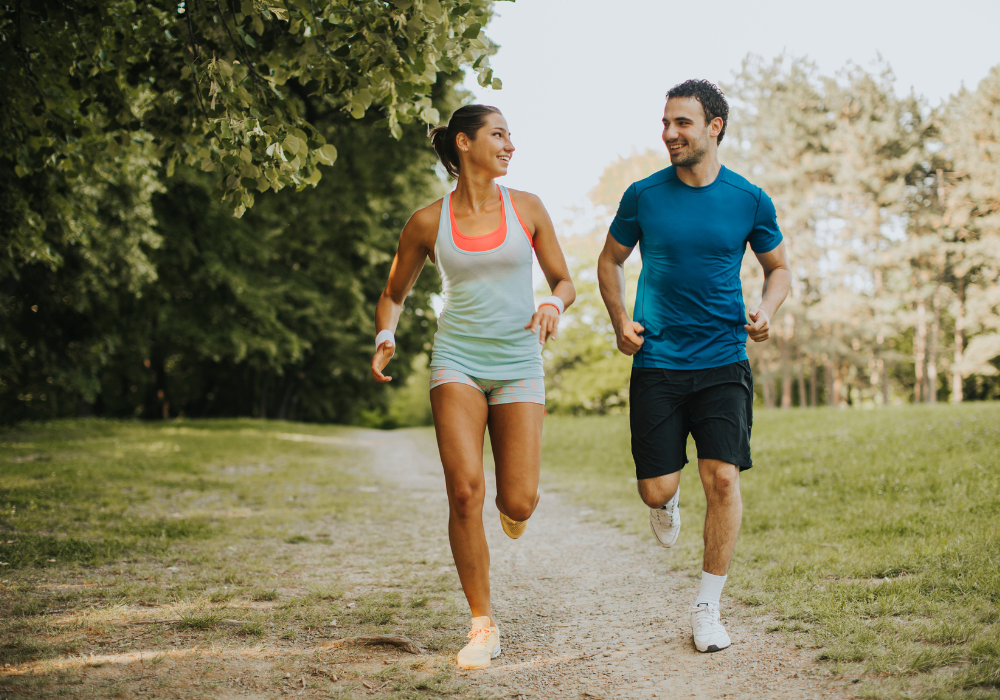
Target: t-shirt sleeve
point(625, 227)
point(765, 235)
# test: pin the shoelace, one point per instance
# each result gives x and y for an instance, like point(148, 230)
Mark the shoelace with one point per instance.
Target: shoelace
point(705, 617)
point(480, 635)
point(668, 514)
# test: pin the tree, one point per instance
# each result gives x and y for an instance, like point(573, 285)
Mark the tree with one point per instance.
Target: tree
point(222, 84)
point(972, 228)
point(125, 125)
point(891, 215)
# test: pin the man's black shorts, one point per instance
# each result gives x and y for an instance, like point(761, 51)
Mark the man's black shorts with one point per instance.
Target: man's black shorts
point(714, 405)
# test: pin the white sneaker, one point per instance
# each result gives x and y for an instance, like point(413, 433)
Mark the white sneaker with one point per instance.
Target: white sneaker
point(709, 634)
point(483, 646)
point(666, 521)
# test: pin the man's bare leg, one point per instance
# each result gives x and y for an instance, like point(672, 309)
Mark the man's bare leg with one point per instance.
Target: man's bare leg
point(724, 514)
point(657, 491)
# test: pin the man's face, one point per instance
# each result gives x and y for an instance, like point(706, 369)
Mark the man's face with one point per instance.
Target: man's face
point(685, 133)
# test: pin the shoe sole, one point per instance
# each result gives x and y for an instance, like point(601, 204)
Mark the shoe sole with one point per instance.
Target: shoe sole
point(712, 648)
point(493, 654)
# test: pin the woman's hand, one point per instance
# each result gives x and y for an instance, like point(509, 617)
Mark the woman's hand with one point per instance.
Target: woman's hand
point(380, 359)
point(545, 322)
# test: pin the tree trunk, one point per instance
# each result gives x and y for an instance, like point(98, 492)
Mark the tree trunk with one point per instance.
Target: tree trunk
point(920, 352)
point(932, 350)
point(802, 384)
point(767, 388)
point(831, 398)
point(883, 377)
point(265, 382)
point(784, 346)
point(286, 398)
point(786, 384)
point(814, 386)
point(956, 373)
point(838, 386)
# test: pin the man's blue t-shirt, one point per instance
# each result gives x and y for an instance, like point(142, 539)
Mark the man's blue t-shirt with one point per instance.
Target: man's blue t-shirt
point(692, 241)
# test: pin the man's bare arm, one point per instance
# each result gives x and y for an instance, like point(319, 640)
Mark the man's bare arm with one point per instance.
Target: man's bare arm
point(611, 279)
point(777, 282)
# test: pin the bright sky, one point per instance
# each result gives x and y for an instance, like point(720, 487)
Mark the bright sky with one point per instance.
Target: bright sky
point(584, 81)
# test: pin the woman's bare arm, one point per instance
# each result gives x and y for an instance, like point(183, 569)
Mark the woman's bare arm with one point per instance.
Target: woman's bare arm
point(415, 244)
point(550, 258)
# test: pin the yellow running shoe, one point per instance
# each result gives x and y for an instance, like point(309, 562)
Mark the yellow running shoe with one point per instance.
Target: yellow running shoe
point(483, 646)
point(513, 528)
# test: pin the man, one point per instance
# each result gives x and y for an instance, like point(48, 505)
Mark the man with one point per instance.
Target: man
point(690, 372)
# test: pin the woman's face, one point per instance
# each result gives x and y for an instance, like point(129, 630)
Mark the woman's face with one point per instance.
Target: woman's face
point(492, 148)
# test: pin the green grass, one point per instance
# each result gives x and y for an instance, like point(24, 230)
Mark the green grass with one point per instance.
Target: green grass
point(872, 534)
point(237, 534)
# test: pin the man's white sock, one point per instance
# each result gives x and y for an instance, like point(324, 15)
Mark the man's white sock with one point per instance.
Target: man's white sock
point(711, 588)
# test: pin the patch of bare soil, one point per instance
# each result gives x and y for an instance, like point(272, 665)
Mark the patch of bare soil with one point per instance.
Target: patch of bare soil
point(587, 611)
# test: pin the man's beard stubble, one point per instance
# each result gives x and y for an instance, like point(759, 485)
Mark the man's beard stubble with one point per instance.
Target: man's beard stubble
point(691, 159)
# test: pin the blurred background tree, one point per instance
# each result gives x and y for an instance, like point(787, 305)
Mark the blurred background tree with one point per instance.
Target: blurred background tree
point(891, 215)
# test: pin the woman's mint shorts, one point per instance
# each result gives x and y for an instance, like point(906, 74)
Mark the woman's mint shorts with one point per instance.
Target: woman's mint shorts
point(496, 391)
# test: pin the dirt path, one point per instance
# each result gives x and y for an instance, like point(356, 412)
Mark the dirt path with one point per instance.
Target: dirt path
point(586, 611)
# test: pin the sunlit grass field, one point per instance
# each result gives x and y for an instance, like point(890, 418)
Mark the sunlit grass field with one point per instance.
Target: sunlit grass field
point(872, 535)
point(189, 558)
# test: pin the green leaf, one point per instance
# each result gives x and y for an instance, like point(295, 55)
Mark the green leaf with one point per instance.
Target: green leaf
point(360, 103)
point(430, 115)
point(279, 12)
point(473, 31)
point(327, 154)
point(497, 84)
point(432, 9)
point(291, 144)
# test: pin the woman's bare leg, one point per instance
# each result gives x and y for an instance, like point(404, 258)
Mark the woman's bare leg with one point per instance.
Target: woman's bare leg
point(460, 415)
point(516, 435)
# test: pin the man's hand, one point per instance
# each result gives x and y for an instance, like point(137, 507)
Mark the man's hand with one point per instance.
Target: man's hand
point(629, 338)
point(380, 359)
point(545, 322)
point(759, 330)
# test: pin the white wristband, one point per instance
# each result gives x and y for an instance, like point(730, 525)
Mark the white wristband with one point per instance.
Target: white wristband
point(554, 301)
point(385, 336)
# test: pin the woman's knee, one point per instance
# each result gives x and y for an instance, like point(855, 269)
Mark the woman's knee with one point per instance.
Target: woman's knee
point(466, 499)
point(519, 508)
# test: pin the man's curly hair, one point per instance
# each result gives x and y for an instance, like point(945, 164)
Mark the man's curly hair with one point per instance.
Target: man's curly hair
point(713, 101)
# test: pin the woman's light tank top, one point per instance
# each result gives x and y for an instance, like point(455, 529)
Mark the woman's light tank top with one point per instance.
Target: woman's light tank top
point(488, 299)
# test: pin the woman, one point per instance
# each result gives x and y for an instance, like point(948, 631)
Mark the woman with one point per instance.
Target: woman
point(486, 365)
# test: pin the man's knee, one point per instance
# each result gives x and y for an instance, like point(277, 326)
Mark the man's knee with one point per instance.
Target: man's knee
point(652, 498)
point(723, 481)
point(657, 491)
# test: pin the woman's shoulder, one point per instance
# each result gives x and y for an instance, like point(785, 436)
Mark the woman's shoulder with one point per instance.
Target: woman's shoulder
point(429, 215)
point(423, 223)
point(524, 199)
